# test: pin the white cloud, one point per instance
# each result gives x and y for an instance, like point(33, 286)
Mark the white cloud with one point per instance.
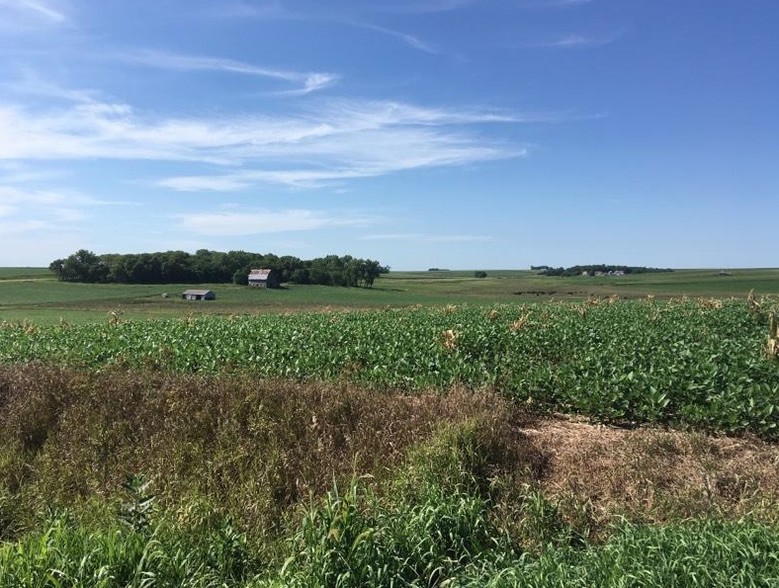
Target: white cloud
point(206, 183)
point(308, 81)
point(427, 238)
point(331, 16)
point(23, 226)
point(552, 3)
point(35, 9)
point(32, 85)
point(351, 155)
point(7, 210)
point(335, 140)
point(19, 17)
point(377, 113)
point(115, 131)
point(410, 40)
point(244, 10)
point(427, 6)
point(230, 223)
point(25, 210)
point(42, 10)
point(39, 198)
point(576, 41)
point(26, 175)
point(37, 226)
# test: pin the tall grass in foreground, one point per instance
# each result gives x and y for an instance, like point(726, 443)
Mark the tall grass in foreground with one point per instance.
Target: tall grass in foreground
point(116, 478)
point(68, 554)
point(447, 539)
point(705, 554)
point(435, 522)
point(355, 538)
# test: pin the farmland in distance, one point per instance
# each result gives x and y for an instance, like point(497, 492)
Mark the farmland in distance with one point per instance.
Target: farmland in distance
point(32, 294)
point(438, 429)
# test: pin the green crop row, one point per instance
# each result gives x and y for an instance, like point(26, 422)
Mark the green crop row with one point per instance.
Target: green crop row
point(704, 364)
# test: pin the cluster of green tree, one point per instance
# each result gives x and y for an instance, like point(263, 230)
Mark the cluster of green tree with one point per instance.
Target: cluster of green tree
point(179, 267)
point(578, 270)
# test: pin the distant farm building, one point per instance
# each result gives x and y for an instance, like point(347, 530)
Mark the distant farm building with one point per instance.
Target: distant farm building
point(263, 278)
point(198, 295)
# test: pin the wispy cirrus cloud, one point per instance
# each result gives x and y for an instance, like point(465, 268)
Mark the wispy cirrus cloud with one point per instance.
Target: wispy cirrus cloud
point(328, 141)
point(245, 10)
point(347, 157)
point(276, 12)
point(275, 9)
point(427, 237)
point(106, 130)
point(345, 154)
point(552, 3)
point(410, 40)
point(579, 41)
point(49, 199)
point(420, 6)
point(308, 81)
point(567, 2)
point(24, 210)
point(12, 172)
point(37, 226)
point(257, 222)
point(23, 18)
point(27, 11)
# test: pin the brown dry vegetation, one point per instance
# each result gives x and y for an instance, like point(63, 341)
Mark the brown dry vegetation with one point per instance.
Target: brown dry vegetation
point(245, 447)
point(653, 475)
point(255, 449)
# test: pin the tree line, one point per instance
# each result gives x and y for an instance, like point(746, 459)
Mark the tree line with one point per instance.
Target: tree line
point(204, 266)
point(578, 270)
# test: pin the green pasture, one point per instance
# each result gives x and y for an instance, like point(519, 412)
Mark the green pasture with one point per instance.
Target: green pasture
point(32, 294)
point(24, 273)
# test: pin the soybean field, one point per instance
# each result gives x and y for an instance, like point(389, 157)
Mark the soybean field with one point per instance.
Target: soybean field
point(700, 363)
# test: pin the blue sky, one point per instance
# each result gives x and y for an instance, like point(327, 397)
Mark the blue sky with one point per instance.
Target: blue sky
point(423, 133)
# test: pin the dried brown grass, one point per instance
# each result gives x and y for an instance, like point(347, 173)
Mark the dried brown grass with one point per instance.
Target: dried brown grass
point(655, 475)
point(253, 449)
point(249, 447)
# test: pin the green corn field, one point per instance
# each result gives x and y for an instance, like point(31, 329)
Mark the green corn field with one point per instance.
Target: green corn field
point(705, 364)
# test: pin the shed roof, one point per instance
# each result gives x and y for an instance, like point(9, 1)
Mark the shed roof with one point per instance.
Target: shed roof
point(197, 292)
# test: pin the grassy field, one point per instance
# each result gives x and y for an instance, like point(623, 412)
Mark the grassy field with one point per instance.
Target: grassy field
point(32, 294)
point(24, 273)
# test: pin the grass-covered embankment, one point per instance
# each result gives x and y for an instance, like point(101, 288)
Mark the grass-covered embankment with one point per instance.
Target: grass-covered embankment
point(239, 481)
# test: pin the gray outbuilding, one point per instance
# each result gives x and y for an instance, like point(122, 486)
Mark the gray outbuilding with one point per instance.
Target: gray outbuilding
point(198, 295)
